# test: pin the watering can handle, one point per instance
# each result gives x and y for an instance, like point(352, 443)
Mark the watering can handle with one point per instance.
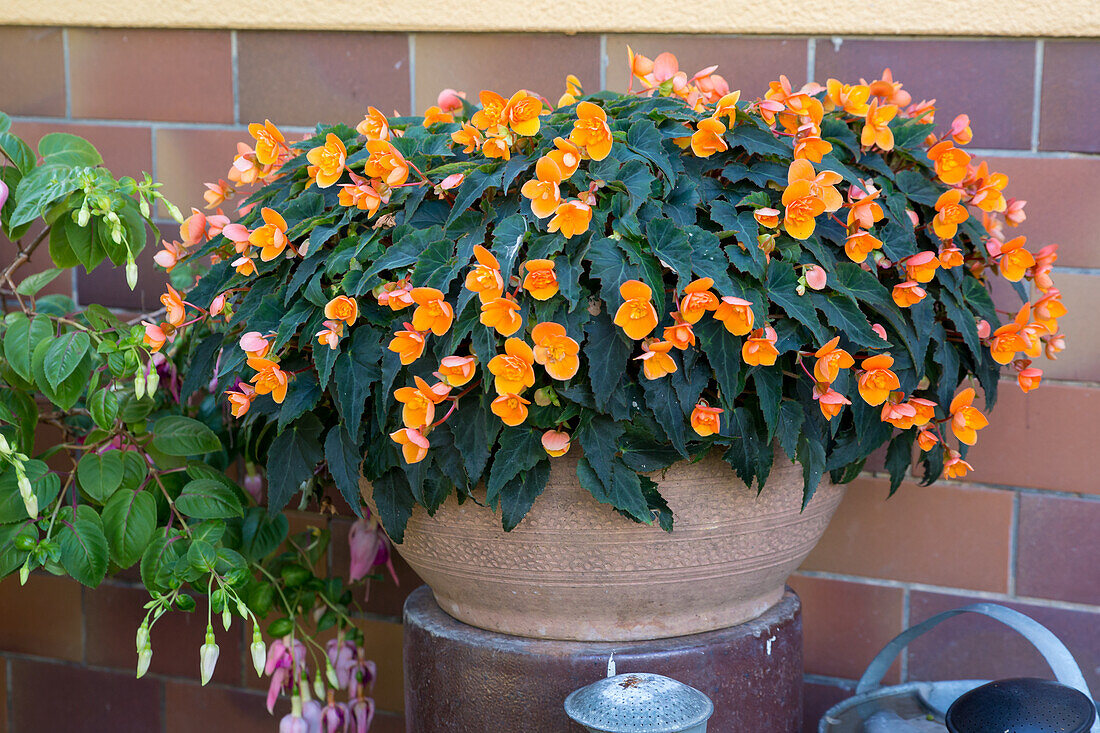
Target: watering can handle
point(1053, 650)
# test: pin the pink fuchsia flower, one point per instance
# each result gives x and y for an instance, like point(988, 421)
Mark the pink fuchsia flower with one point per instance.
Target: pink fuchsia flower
point(342, 656)
point(335, 717)
point(3, 194)
point(253, 482)
point(363, 674)
point(369, 549)
point(362, 713)
point(283, 665)
point(293, 722)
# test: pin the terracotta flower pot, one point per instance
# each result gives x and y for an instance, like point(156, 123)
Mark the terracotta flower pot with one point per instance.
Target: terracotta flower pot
point(575, 569)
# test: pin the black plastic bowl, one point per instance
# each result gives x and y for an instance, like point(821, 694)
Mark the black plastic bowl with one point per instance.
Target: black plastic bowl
point(1024, 705)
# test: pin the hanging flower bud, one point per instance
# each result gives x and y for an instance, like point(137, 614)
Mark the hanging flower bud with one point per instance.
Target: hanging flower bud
point(208, 656)
point(293, 722)
point(152, 382)
point(84, 215)
point(3, 194)
point(25, 572)
point(131, 272)
point(258, 650)
point(227, 618)
point(145, 657)
point(139, 385)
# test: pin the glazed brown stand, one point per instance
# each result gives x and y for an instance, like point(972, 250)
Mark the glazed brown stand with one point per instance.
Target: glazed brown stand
point(461, 679)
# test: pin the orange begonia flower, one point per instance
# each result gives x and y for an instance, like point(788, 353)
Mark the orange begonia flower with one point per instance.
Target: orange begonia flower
point(374, 126)
point(1006, 342)
point(960, 130)
point(253, 343)
point(656, 362)
point(555, 350)
point(927, 440)
point(908, 293)
point(864, 211)
point(269, 378)
point(217, 193)
point(726, 107)
point(921, 266)
point(540, 283)
point(860, 244)
point(572, 91)
point(889, 89)
point(707, 139)
point(926, 411)
point(698, 300)
point(343, 308)
point(966, 420)
point(897, 413)
point(636, 316)
point(955, 466)
point(271, 237)
point(327, 161)
point(409, 344)
point(822, 185)
point(680, 334)
point(510, 408)
point(566, 155)
point(801, 208)
point(433, 313)
point(950, 257)
point(848, 97)
point(397, 296)
point(736, 314)
point(485, 279)
point(1029, 378)
point(767, 217)
point(330, 335)
point(362, 195)
point(414, 446)
point(543, 190)
point(571, 217)
point(830, 360)
point(155, 335)
point(556, 443)
point(876, 130)
point(496, 146)
point(949, 214)
point(1049, 308)
point(502, 314)
point(386, 163)
point(174, 311)
point(989, 196)
point(829, 400)
point(809, 145)
point(591, 132)
point(457, 370)
point(240, 401)
point(950, 162)
point(269, 142)
point(492, 112)
point(434, 114)
point(1015, 260)
point(512, 370)
point(419, 402)
point(706, 420)
point(877, 381)
point(523, 112)
point(468, 136)
point(759, 348)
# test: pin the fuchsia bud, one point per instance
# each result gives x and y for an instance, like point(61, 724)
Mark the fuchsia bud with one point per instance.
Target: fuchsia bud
point(3, 194)
point(208, 656)
point(259, 651)
point(294, 722)
point(364, 539)
point(254, 483)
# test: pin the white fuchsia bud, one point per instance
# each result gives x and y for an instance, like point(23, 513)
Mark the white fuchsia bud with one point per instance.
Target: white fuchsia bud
point(259, 651)
point(131, 273)
point(145, 657)
point(208, 656)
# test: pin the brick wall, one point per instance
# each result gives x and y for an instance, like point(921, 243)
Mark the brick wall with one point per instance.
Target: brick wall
point(1021, 531)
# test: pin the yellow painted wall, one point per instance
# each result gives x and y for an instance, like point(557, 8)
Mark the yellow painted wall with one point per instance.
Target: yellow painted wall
point(1051, 18)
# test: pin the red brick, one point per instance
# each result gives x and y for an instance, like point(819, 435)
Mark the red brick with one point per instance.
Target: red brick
point(1039, 440)
point(388, 723)
point(1081, 360)
point(189, 707)
point(39, 261)
point(302, 78)
point(747, 64)
point(919, 534)
point(1056, 555)
point(383, 641)
point(107, 285)
point(975, 647)
point(48, 696)
point(1060, 204)
point(845, 624)
point(1069, 72)
point(503, 62)
point(127, 150)
point(145, 74)
point(42, 617)
point(113, 614)
point(33, 82)
point(816, 700)
point(3, 697)
point(188, 158)
point(990, 80)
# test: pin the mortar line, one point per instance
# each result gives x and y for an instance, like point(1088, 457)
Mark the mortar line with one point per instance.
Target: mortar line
point(68, 75)
point(1014, 545)
point(1037, 94)
point(604, 61)
point(951, 591)
point(236, 71)
point(811, 58)
point(412, 73)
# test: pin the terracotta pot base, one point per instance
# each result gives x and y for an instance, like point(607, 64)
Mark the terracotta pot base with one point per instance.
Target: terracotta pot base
point(575, 569)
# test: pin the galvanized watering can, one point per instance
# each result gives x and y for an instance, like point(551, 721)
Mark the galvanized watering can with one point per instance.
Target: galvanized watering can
point(918, 699)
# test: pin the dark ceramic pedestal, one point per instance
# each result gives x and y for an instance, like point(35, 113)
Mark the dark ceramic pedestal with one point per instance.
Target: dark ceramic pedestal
point(461, 679)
